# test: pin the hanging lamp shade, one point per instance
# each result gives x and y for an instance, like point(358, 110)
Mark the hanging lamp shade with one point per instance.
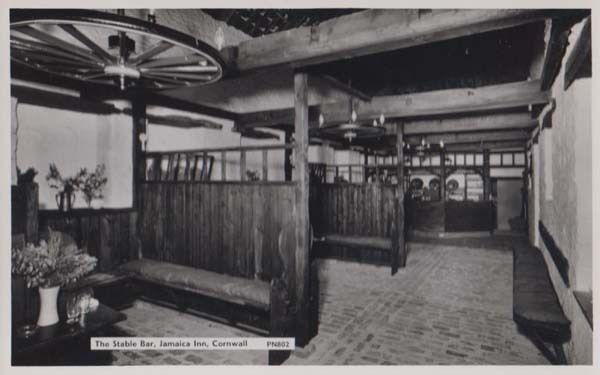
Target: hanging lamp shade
point(350, 130)
point(111, 49)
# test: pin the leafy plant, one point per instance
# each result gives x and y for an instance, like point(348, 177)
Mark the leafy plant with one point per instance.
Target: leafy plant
point(69, 184)
point(92, 184)
point(52, 263)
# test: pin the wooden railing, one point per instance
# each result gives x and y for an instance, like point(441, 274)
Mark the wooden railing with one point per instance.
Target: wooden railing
point(199, 164)
point(498, 159)
point(354, 173)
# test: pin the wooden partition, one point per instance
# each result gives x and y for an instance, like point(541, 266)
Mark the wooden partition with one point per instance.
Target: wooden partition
point(355, 210)
point(108, 234)
point(226, 227)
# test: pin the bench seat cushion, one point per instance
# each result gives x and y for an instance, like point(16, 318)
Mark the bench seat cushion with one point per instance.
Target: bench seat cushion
point(535, 304)
point(229, 288)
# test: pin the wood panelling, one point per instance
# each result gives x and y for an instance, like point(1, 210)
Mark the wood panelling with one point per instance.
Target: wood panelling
point(425, 216)
point(354, 209)
point(357, 210)
point(232, 228)
point(470, 216)
point(109, 235)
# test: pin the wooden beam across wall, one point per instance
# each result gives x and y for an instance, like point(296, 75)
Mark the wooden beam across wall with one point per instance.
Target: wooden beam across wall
point(491, 145)
point(372, 31)
point(441, 102)
point(471, 137)
point(511, 121)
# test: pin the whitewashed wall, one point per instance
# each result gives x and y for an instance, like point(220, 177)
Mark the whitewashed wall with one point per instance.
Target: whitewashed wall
point(73, 140)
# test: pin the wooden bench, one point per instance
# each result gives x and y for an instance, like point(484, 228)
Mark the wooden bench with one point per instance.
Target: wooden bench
point(384, 245)
point(379, 243)
point(270, 299)
point(536, 308)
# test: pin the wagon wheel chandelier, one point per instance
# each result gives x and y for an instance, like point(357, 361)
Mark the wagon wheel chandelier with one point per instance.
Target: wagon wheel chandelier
point(352, 129)
point(111, 49)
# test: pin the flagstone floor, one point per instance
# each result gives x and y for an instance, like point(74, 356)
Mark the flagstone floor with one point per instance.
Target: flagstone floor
point(452, 304)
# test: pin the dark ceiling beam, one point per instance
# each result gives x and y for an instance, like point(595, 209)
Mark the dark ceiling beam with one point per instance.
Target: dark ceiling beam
point(50, 99)
point(442, 102)
point(579, 62)
point(373, 31)
point(182, 122)
point(334, 82)
point(491, 145)
point(514, 135)
point(160, 100)
point(510, 121)
point(558, 40)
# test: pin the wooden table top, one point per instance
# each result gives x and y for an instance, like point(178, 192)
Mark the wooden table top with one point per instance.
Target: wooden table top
point(44, 337)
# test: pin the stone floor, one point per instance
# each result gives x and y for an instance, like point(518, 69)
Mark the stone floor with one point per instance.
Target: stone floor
point(450, 305)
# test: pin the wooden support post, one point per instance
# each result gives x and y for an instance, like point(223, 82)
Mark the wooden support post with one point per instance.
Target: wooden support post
point(525, 188)
point(376, 168)
point(486, 175)
point(287, 154)
point(301, 209)
point(223, 166)
point(399, 252)
point(265, 165)
point(186, 173)
point(443, 176)
point(242, 165)
point(205, 166)
point(365, 168)
point(465, 198)
point(350, 173)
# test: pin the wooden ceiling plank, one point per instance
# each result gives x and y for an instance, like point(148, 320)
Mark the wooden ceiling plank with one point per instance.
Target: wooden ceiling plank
point(373, 31)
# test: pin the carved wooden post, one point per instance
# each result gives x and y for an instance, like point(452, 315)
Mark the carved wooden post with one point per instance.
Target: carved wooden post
point(301, 208)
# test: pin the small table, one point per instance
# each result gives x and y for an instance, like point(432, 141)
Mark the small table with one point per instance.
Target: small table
point(65, 344)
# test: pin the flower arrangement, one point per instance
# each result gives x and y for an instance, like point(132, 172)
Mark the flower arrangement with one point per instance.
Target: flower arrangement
point(69, 184)
point(90, 184)
point(52, 263)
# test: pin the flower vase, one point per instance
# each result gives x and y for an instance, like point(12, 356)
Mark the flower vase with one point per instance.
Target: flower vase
point(48, 306)
point(60, 201)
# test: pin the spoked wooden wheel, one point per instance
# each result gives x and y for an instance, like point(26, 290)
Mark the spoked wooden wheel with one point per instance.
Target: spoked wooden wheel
point(110, 49)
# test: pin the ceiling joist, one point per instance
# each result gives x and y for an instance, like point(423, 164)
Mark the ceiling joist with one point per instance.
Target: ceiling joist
point(442, 102)
point(372, 31)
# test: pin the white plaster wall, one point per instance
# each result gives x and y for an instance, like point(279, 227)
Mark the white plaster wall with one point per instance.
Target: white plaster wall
point(166, 138)
point(73, 140)
point(566, 210)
